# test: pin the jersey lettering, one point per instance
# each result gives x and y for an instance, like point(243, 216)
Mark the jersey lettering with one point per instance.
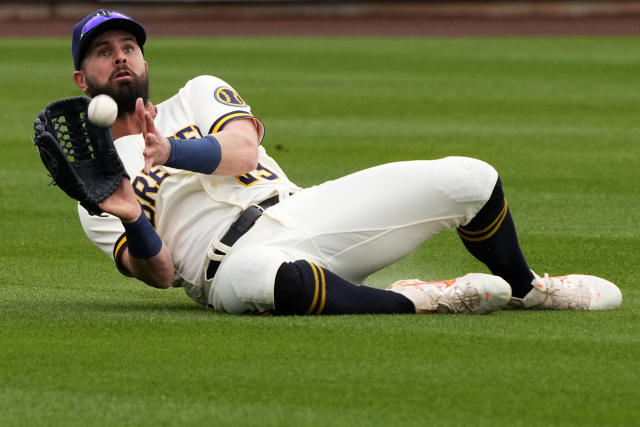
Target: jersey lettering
point(151, 214)
point(261, 173)
point(190, 132)
point(146, 187)
point(143, 190)
point(158, 175)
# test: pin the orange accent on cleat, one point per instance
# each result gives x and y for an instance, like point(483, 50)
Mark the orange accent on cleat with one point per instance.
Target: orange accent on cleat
point(570, 292)
point(474, 293)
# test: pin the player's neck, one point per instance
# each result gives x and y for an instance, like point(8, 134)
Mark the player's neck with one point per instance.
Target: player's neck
point(127, 125)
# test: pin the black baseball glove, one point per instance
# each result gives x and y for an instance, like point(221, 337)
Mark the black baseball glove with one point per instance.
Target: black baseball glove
point(79, 155)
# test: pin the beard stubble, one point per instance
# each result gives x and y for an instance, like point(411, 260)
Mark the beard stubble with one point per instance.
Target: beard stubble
point(125, 94)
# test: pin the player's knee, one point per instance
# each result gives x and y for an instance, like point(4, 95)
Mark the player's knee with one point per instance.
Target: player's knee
point(479, 170)
point(250, 273)
point(288, 289)
point(302, 287)
point(493, 209)
point(471, 179)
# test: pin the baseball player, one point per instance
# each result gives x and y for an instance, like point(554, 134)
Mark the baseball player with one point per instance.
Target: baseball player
point(208, 210)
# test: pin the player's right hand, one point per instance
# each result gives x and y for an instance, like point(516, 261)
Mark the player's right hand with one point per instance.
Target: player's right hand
point(157, 147)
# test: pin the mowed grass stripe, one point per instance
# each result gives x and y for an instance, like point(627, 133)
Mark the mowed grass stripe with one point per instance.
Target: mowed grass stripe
point(81, 344)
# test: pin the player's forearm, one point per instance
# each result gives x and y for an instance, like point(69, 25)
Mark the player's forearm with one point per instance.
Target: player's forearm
point(232, 151)
point(157, 271)
point(239, 153)
point(146, 255)
point(226, 153)
point(239, 141)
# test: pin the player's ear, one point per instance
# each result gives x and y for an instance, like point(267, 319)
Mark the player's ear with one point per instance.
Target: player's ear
point(78, 78)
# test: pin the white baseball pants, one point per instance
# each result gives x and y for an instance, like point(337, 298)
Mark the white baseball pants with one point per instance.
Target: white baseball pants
point(352, 226)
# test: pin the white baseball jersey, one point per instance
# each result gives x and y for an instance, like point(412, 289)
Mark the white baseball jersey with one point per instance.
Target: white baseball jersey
point(352, 226)
point(190, 211)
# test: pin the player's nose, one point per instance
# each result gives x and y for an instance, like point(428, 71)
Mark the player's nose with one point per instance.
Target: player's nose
point(120, 57)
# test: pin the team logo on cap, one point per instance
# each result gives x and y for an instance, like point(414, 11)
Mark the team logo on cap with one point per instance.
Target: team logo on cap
point(101, 16)
point(227, 96)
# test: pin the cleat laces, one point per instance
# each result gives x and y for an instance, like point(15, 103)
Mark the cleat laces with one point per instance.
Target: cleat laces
point(459, 300)
point(559, 293)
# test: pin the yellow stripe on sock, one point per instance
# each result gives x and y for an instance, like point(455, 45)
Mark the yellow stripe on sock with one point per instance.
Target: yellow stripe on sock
point(315, 294)
point(486, 232)
point(323, 299)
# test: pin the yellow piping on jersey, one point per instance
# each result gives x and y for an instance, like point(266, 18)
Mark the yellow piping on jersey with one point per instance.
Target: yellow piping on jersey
point(222, 121)
point(122, 240)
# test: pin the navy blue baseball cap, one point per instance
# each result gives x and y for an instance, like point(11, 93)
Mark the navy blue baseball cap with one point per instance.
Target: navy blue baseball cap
point(97, 23)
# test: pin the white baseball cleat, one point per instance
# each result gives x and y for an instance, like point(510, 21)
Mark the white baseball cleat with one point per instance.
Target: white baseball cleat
point(570, 292)
point(475, 293)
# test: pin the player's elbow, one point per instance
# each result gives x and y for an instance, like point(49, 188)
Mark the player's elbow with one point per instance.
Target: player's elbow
point(248, 158)
point(157, 271)
point(239, 154)
point(251, 161)
point(161, 278)
point(160, 284)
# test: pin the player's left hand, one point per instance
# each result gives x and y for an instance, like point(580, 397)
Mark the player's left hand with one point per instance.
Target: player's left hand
point(157, 148)
point(122, 203)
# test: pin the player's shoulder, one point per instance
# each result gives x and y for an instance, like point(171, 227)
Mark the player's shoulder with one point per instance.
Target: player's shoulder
point(208, 88)
point(205, 80)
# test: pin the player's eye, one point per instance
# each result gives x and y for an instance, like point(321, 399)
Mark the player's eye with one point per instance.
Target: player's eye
point(103, 52)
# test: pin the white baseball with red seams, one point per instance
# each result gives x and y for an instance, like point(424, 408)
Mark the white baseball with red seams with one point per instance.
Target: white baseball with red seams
point(102, 110)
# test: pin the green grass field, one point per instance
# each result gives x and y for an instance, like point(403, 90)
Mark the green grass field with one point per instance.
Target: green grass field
point(558, 117)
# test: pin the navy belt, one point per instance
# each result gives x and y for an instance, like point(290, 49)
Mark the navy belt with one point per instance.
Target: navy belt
point(245, 221)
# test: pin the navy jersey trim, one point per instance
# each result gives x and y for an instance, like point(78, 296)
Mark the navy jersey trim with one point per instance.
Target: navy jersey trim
point(118, 250)
point(219, 124)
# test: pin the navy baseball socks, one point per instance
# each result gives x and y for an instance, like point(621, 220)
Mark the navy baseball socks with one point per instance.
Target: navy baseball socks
point(491, 238)
point(305, 288)
point(302, 287)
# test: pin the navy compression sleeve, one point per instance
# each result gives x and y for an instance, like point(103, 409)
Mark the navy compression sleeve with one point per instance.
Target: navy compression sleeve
point(142, 238)
point(201, 155)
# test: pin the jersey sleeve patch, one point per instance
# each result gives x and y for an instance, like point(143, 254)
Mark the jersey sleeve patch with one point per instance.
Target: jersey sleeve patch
point(229, 117)
point(227, 96)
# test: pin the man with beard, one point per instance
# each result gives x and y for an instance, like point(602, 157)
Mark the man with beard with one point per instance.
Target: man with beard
point(208, 210)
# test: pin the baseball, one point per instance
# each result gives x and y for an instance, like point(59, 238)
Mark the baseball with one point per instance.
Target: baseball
point(102, 110)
